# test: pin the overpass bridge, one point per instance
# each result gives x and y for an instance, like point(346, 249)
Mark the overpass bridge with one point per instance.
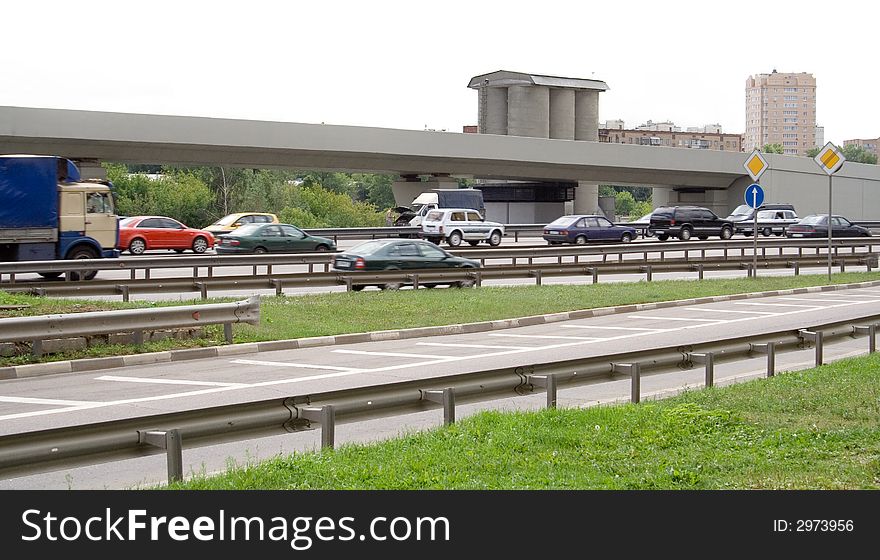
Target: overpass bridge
point(715, 179)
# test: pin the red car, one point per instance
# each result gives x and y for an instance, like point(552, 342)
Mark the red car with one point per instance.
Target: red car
point(139, 233)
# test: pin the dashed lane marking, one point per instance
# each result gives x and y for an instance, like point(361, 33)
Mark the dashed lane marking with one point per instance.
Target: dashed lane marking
point(292, 365)
point(48, 402)
point(391, 354)
point(608, 328)
point(451, 345)
point(163, 381)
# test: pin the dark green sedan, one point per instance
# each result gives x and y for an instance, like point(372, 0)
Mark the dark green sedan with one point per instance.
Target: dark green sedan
point(401, 254)
point(270, 238)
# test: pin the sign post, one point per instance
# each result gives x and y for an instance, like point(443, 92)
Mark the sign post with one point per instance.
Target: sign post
point(830, 160)
point(756, 165)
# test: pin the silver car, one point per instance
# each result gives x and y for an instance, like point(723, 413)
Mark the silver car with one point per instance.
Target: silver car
point(455, 225)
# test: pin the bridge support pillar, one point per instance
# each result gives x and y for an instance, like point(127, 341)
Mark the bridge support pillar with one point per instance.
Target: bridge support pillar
point(586, 198)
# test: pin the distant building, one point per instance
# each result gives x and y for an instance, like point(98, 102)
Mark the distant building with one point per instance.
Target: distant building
point(781, 109)
point(708, 137)
point(470, 129)
point(870, 146)
point(820, 136)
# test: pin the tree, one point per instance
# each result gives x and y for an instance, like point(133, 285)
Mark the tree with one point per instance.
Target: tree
point(624, 203)
point(813, 152)
point(773, 149)
point(858, 154)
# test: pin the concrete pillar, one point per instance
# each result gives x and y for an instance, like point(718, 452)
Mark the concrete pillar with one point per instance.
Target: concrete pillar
point(528, 111)
point(586, 115)
point(562, 114)
point(661, 196)
point(494, 111)
point(91, 169)
point(406, 188)
point(586, 198)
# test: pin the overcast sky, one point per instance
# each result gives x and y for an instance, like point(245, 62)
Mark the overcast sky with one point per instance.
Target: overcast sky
point(406, 64)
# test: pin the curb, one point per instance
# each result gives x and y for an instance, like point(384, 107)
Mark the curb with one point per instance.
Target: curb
point(89, 364)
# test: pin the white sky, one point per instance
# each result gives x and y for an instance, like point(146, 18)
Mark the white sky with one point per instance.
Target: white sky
point(406, 64)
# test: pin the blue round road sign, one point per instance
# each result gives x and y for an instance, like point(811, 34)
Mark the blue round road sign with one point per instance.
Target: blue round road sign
point(754, 195)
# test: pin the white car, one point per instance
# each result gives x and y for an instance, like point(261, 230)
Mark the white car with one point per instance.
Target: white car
point(770, 222)
point(455, 225)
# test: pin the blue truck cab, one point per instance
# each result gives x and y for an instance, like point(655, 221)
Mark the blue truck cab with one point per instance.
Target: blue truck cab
point(48, 212)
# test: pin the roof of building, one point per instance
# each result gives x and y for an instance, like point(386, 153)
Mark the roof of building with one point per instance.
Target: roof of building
point(504, 78)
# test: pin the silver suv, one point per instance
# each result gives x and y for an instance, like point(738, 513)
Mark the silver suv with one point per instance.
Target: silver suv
point(455, 225)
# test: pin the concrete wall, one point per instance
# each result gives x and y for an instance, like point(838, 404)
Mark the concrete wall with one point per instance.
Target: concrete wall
point(524, 212)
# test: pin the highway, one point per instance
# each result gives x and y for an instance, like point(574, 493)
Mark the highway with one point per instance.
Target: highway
point(72, 399)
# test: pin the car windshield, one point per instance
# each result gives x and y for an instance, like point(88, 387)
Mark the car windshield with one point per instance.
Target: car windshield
point(245, 230)
point(742, 210)
point(434, 216)
point(563, 221)
point(645, 218)
point(368, 247)
point(814, 220)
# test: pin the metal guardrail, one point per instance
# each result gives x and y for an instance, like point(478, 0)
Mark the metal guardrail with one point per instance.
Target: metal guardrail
point(279, 281)
point(36, 329)
point(46, 450)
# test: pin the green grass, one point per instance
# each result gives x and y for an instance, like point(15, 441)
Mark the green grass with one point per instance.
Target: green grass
point(339, 313)
point(813, 429)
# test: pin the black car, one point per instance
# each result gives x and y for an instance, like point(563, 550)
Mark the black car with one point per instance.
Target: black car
point(685, 222)
point(401, 254)
point(816, 225)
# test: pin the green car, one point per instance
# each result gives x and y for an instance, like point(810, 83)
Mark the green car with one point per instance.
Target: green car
point(270, 238)
point(401, 254)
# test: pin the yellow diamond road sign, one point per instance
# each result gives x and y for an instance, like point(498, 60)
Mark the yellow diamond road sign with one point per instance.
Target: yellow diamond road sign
point(829, 158)
point(756, 165)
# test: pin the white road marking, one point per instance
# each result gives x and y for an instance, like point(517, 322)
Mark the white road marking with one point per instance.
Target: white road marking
point(451, 345)
point(778, 304)
point(707, 310)
point(352, 371)
point(608, 328)
point(825, 300)
point(291, 364)
point(163, 381)
point(688, 319)
point(391, 354)
point(48, 402)
point(545, 336)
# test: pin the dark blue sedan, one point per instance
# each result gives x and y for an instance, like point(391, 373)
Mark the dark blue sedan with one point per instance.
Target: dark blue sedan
point(580, 229)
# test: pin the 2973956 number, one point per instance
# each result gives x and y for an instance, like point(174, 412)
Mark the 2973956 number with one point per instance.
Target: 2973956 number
point(813, 525)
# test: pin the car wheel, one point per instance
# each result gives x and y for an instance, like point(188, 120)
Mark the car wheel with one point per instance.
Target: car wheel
point(322, 248)
point(137, 246)
point(766, 232)
point(663, 236)
point(82, 253)
point(580, 240)
point(200, 245)
point(259, 250)
point(648, 234)
point(702, 237)
point(454, 239)
point(626, 238)
point(495, 238)
point(747, 233)
point(392, 285)
point(726, 233)
point(685, 234)
point(469, 283)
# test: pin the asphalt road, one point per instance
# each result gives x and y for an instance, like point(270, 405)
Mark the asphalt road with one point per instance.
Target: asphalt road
point(72, 399)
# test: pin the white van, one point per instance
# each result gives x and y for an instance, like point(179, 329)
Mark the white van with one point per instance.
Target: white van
point(455, 225)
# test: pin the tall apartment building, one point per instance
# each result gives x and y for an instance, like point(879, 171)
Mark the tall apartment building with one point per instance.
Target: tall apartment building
point(781, 109)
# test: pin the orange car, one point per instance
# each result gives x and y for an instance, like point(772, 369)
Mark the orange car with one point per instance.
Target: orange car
point(139, 233)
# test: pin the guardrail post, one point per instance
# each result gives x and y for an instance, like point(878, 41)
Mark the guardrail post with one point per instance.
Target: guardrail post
point(797, 268)
point(277, 284)
point(172, 443)
point(203, 289)
point(326, 417)
point(634, 371)
point(348, 287)
point(123, 289)
point(415, 281)
point(871, 331)
point(548, 382)
point(137, 337)
point(769, 349)
point(707, 358)
point(37, 348)
point(446, 397)
point(227, 332)
point(699, 271)
point(537, 275)
point(816, 338)
point(648, 272)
